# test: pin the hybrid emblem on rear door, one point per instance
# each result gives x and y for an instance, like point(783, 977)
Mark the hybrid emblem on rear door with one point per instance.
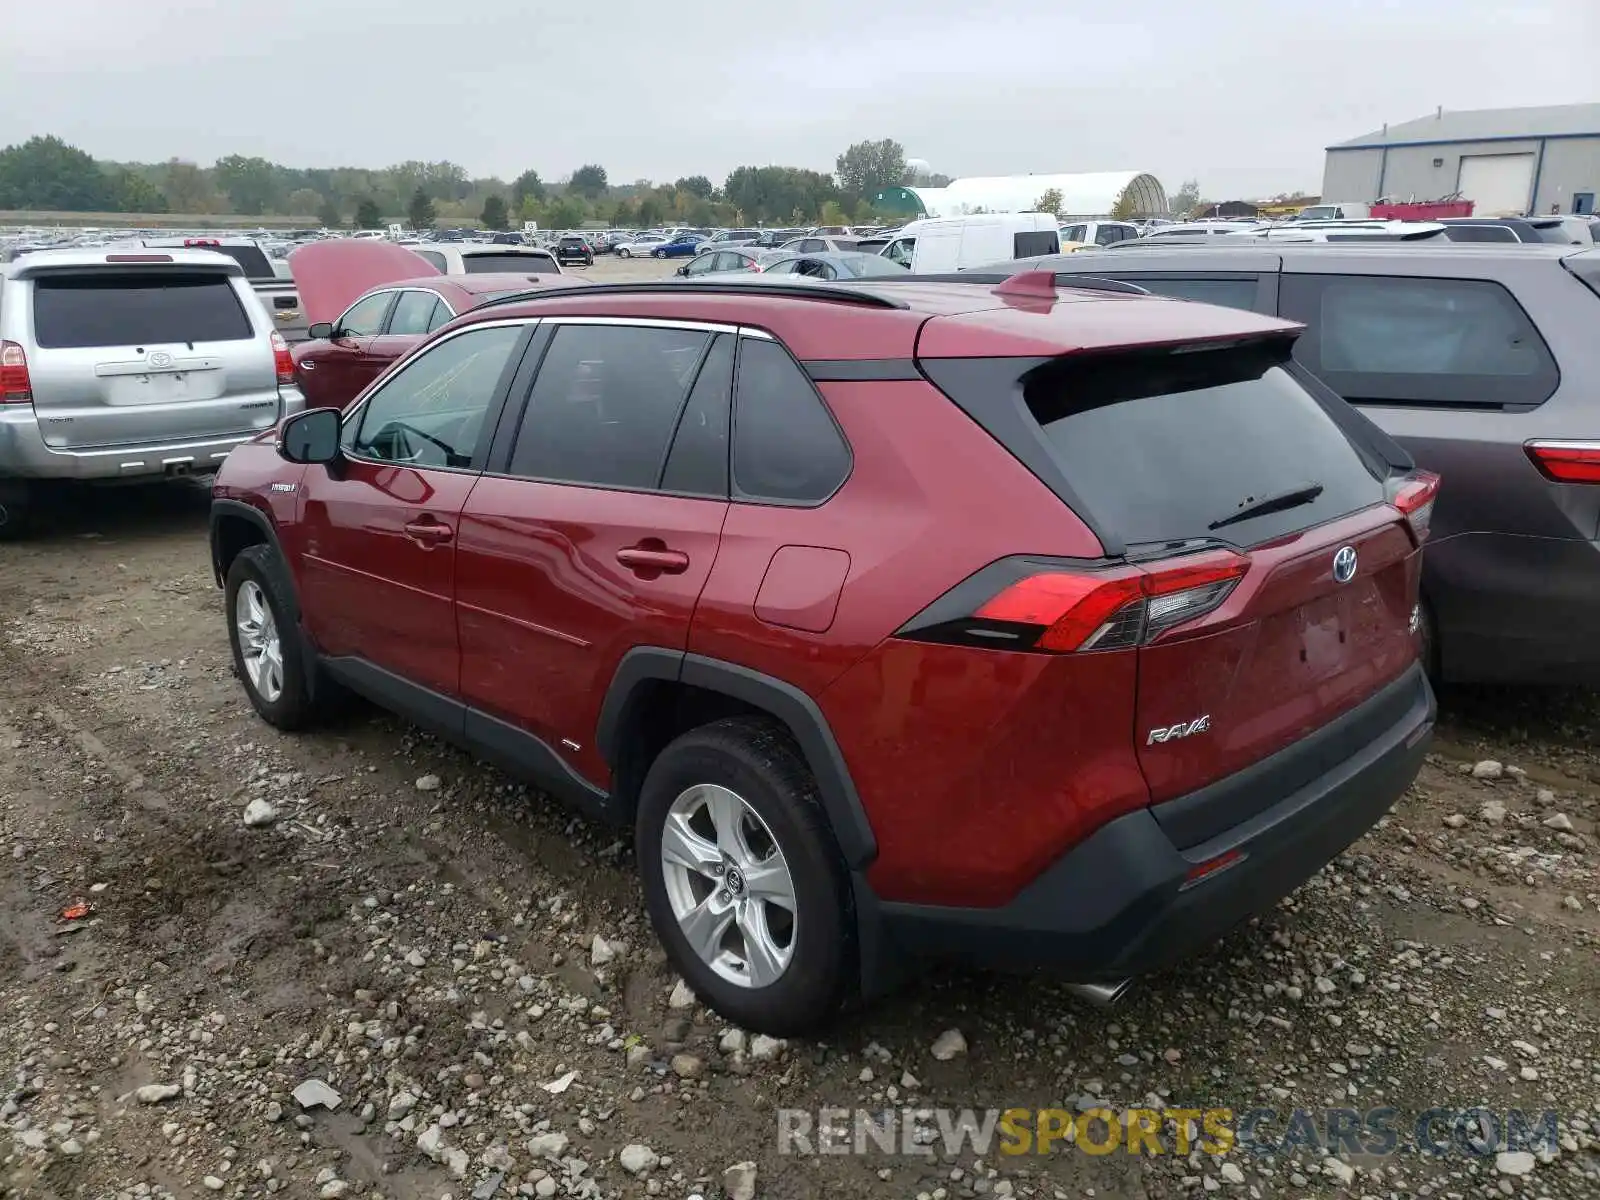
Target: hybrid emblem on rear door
point(1344, 564)
point(1183, 729)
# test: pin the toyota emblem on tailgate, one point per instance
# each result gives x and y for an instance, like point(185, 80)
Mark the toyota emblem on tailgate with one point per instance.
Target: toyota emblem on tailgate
point(161, 359)
point(1344, 564)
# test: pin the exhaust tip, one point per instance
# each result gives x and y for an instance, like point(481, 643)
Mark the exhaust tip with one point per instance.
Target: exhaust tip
point(1100, 995)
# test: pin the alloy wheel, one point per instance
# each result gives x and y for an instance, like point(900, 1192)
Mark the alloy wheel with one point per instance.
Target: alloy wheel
point(260, 647)
point(729, 886)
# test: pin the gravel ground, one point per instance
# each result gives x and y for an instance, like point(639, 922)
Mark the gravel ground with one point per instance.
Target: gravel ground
point(468, 968)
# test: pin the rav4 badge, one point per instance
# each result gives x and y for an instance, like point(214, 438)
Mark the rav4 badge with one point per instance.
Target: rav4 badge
point(1183, 729)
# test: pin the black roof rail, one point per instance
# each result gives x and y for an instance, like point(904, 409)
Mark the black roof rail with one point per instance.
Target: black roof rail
point(794, 291)
point(1088, 283)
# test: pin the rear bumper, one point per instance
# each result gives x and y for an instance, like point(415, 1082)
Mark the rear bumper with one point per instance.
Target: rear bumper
point(24, 455)
point(1120, 903)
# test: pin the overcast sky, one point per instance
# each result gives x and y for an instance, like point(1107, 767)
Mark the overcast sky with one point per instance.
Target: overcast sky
point(1241, 95)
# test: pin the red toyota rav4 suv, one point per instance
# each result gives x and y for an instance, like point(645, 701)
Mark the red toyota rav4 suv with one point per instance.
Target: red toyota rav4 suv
point(1046, 628)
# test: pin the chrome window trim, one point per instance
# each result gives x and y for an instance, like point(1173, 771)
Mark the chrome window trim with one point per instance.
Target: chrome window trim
point(354, 412)
point(642, 322)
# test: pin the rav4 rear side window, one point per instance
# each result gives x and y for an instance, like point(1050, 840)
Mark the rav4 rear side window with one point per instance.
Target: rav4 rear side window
point(1406, 341)
point(786, 447)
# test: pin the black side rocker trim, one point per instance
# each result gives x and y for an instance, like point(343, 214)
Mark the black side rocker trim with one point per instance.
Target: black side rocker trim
point(513, 750)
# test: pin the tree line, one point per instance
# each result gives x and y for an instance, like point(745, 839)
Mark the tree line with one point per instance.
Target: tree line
point(47, 174)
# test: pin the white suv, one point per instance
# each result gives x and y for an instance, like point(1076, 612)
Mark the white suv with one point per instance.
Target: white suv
point(131, 364)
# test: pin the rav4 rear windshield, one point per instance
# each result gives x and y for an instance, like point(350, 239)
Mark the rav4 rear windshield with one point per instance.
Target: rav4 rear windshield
point(522, 264)
point(128, 309)
point(1224, 444)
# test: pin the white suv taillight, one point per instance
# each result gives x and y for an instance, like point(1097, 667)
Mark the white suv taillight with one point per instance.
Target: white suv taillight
point(1414, 495)
point(282, 359)
point(15, 386)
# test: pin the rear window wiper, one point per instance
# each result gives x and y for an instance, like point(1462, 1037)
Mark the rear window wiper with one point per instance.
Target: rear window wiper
point(1278, 502)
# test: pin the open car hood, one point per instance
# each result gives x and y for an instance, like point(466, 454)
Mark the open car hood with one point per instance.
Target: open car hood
point(330, 276)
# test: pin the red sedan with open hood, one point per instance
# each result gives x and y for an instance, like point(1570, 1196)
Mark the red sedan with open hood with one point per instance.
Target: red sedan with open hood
point(370, 303)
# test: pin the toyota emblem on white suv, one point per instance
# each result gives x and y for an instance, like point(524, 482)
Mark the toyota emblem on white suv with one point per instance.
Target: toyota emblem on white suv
point(1344, 564)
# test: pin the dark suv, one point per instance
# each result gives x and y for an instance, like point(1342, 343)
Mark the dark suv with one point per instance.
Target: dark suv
point(895, 619)
point(1483, 362)
point(574, 249)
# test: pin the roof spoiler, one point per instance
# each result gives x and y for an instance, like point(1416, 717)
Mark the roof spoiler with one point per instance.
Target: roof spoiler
point(31, 266)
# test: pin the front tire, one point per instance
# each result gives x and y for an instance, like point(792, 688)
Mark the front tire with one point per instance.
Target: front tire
point(660, 254)
point(624, 252)
point(743, 879)
point(268, 655)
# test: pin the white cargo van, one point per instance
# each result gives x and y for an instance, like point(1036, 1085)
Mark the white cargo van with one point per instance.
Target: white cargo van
point(938, 245)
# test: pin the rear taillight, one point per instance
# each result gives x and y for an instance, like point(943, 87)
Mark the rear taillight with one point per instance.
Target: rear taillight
point(1414, 495)
point(201, 242)
point(15, 387)
point(1567, 462)
point(282, 360)
point(1065, 611)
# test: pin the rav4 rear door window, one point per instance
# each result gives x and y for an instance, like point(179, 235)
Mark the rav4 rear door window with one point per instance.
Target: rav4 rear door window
point(1395, 340)
point(605, 403)
point(431, 412)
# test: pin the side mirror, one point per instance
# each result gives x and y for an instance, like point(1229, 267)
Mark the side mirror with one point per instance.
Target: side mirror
point(683, 270)
point(311, 437)
point(322, 331)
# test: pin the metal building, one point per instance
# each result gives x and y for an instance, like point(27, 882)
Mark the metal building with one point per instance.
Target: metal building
point(1508, 161)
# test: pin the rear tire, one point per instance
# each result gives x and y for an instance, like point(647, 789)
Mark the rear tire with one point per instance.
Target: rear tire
point(624, 252)
point(269, 656)
point(660, 254)
point(16, 509)
point(767, 901)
